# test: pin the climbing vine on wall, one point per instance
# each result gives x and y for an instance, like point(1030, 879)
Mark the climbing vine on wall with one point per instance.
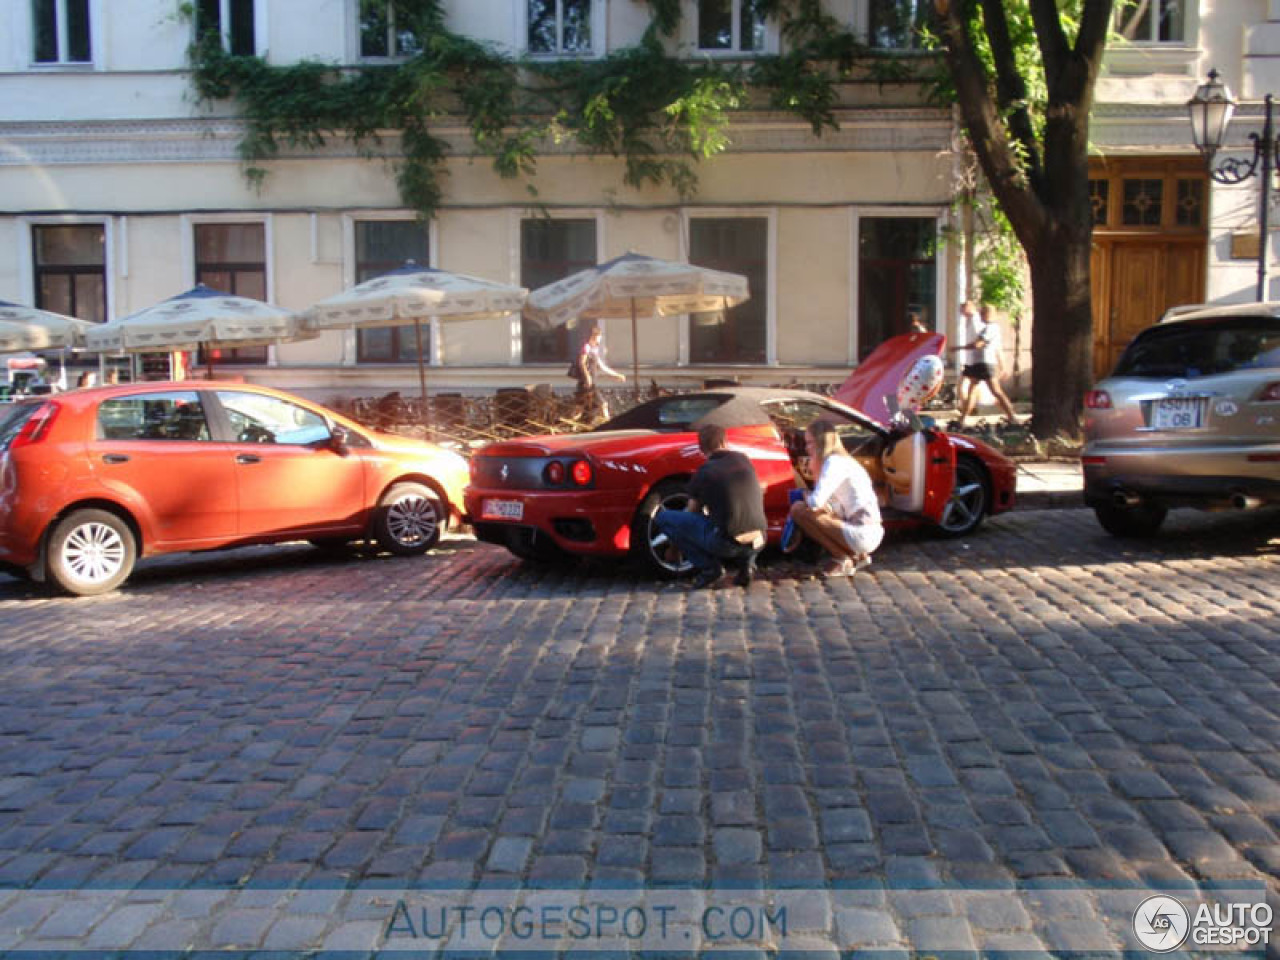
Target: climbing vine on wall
point(658, 113)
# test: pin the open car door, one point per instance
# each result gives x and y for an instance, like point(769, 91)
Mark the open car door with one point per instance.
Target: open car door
point(919, 469)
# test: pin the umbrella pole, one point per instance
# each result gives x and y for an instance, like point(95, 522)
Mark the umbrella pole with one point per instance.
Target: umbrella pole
point(635, 351)
point(422, 378)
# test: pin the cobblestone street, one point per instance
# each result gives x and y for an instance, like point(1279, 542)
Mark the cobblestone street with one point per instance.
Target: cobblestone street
point(1040, 703)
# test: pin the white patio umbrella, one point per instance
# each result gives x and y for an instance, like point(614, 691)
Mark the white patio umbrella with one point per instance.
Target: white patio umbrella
point(410, 294)
point(634, 285)
point(27, 328)
point(201, 317)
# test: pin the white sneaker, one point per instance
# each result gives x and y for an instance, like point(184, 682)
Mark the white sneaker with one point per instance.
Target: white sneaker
point(862, 561)
point(838, 567)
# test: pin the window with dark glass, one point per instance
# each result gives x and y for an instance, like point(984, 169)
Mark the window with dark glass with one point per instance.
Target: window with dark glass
point(736, 245)
point(61, 31)
point(897, 276)
point(1099, 194)
point(731, 25)
point(1143, 202)
point(387, 30)
point(231, 21)
point(383, 246)
point(560, 26)
point(551, 250)
point(897, 24)
point(232, 257)
point(71, 270)
point(1151, 21)
point(1189, 210)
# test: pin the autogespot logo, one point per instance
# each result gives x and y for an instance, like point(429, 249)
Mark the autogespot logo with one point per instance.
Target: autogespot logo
point(1161, 923)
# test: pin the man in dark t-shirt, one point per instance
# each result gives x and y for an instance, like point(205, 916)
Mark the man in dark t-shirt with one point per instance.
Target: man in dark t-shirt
point(733, 524)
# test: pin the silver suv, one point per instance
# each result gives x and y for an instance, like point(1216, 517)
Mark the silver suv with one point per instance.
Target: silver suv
point(1190, 417)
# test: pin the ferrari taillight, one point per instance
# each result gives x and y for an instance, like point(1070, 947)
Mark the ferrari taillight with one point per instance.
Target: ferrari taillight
point(37, 426)
point(1097, 400)
point(554, 474)
point(582, 473)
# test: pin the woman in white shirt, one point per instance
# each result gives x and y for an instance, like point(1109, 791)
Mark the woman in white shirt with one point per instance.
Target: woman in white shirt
point(841, 514)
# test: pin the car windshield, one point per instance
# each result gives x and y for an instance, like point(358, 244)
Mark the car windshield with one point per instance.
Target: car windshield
point(673, 414)
point(1203, 349)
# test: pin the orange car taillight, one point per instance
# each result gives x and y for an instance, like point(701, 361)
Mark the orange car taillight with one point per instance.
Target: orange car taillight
point(1097, 400)
point(1271, 394)
point(581, 472)
point(37, 426)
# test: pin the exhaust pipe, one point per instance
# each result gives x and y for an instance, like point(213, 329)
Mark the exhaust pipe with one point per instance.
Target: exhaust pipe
point(1243, 501)
point(1123, 498)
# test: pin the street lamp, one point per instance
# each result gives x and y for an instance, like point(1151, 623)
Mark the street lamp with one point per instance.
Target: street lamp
point(1210, 111)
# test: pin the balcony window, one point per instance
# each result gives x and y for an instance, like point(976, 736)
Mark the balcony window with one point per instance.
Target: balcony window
point(386, 31)
point(560, 27)
point(731, 26)
point(61, 31)
point(229, 20)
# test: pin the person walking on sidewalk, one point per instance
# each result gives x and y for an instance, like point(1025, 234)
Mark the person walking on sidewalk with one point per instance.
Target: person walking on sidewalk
point(733, 526)
point(841, 514)
point(982, 364)
point(587, 366)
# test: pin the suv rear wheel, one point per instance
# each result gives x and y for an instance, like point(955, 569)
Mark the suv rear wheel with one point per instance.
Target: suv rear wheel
point(90, 552)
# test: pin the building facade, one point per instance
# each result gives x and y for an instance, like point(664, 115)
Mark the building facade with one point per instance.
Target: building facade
point(118, 189)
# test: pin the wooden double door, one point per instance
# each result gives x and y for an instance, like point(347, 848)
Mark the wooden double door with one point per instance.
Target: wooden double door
point(1135, 280)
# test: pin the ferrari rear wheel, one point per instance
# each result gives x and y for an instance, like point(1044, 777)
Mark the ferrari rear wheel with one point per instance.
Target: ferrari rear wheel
point(970, 498)
point(649, 546)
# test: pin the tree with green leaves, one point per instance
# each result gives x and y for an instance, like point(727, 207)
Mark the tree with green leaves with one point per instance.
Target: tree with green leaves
point(1024, 73)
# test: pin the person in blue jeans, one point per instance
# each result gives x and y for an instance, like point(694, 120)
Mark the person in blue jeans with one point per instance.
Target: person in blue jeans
point(724, 518)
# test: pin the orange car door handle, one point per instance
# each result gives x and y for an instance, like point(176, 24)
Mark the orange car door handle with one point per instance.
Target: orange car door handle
point(115, 458)
point(248, 458)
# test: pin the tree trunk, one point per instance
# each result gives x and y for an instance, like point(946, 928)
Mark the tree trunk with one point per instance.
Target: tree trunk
point(1062, 330)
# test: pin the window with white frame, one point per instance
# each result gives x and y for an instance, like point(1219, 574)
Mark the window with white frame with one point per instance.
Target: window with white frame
point(731, 26)
point(560, 27)
point(1151, 21)
point(383, 246)
point(736, 245)
point(229, 20)
point(232, 257)
point(70, 267)
point(897, 24)
point(550, 250)
point(387, 30)
point(60, 31)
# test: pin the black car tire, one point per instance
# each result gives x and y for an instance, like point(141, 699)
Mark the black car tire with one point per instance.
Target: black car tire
point(409, 519)
point(534, 547)
point(970, 499)
point(90, 552)
point(647, 543)
point(1139, 521)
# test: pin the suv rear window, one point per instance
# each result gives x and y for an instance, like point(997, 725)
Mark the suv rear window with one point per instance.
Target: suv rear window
point(1200, 349)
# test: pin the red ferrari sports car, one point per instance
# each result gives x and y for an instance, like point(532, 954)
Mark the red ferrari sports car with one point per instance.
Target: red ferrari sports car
point(596, 493)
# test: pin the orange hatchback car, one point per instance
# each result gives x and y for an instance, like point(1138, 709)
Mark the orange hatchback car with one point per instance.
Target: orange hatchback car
point(93, 479)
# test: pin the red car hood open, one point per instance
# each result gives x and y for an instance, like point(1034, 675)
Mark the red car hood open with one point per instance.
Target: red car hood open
point(878, 376)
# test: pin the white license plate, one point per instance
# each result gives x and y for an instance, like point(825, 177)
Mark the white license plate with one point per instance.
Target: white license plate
point(1177, 413)
point(502, 510)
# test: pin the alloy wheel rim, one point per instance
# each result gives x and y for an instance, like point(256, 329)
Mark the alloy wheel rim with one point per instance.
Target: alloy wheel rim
point(93, 553)
point(964, 505)
point(411, 520)
point(658, 540)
